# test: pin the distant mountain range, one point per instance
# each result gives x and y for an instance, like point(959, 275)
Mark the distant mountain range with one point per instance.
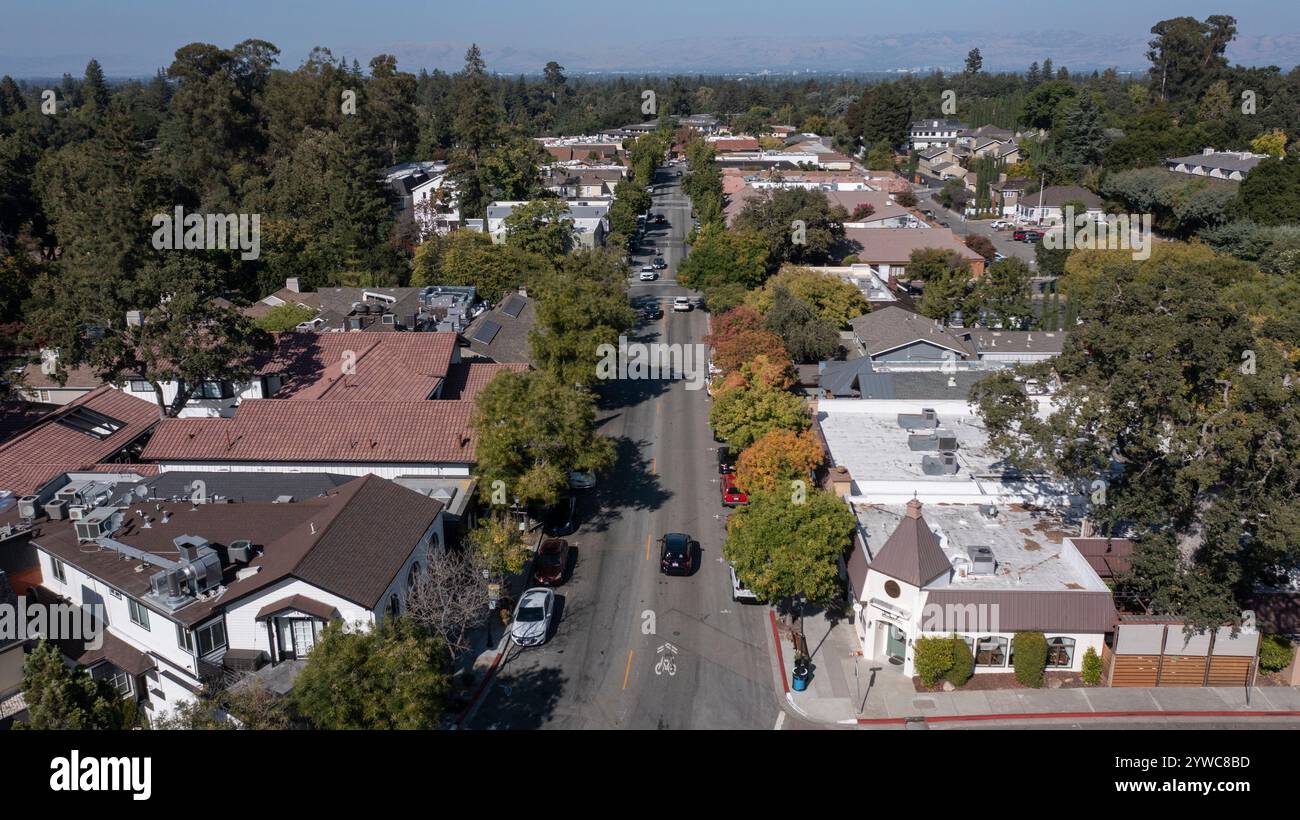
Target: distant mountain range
point(778, 54)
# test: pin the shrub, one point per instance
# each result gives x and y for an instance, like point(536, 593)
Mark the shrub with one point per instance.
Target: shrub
point(934, 657)
point(851, 259)
point(1275, 653)
point(1030, 651)
point(963, 663)
point(1091, 667)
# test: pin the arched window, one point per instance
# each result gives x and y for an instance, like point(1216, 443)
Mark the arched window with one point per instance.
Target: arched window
point(1060, 652)
point(991, 651)
point(413, 577)
point(394, 606)
point(434, 541)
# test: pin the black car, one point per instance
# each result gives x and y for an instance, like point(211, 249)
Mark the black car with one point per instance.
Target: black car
point(562, 519)
point(652, 313)
point(725, 464)
point(675, 554)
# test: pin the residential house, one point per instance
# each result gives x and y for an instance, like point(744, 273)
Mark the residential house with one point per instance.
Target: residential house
point(1233, 165)
point(1046, 205)
point(590, 218)
point(925, 134)
point(891, 337)
point(578, 182)
point(1011, 347)
point(195, 593)
point(885, 212)
point(879, 291)
point(980, 572)
point(889, 250)
point(39, 382)
point(501, 334)
point(1007, 193)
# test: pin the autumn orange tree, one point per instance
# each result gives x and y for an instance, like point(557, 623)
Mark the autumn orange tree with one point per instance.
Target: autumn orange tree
point(778, 457)
point(762, 369)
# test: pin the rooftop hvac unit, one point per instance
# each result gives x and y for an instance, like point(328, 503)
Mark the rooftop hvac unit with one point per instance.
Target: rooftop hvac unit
point(27, 506)
point(241, 551)
point(927, 418)
point(76, 512)
point(934, 440)
point(96, 523)
point(982, 561)
point(57, 510)
point(945, 464)
point(989, 511)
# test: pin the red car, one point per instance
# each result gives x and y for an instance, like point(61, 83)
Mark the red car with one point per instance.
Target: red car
point(551, 561)
point(732, 496)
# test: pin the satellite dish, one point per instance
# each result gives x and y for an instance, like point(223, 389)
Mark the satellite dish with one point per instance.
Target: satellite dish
point(142, 491)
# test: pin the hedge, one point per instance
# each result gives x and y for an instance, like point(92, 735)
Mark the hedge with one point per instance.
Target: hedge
point(1091, 667)
point(1030, 651)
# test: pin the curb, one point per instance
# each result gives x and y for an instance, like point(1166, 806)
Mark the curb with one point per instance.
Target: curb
point(477, 697)
point(780, 656)
point(1180, 713)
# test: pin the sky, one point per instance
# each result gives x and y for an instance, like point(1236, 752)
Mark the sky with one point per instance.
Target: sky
point(133, 37)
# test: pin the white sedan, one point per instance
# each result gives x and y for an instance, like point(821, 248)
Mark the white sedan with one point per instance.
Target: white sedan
point(649, 274)
point(532, 621)
point(682, 303)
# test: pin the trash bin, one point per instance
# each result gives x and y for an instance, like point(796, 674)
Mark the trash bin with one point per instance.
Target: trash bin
point(801, 677)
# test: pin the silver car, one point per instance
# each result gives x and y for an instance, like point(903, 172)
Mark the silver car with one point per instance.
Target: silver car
point(532, 621)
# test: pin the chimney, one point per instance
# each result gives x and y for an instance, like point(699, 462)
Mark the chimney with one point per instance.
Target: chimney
point(914, 508)
point(292, 284)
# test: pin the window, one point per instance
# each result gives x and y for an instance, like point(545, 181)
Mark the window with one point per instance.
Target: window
point(413, 577)
point(394, 606)
point(96, 425)
point(991, 651)
point(184, 639)
point(1060, 652)
point(121, 682)
point(212, 637)
point(892, 589)
point(213, 390)
point(139, 615)
point(140, 386)
point(59, 571)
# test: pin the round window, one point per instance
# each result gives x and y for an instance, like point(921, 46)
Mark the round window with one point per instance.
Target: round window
point(892, 590)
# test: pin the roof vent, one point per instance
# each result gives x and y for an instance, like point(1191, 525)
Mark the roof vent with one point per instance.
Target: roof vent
point(982, 561)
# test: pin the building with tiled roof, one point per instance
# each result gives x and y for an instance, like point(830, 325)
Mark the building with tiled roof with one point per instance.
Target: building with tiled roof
point(889, 250)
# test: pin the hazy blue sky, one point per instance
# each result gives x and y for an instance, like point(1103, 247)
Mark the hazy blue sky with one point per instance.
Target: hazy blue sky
point(136, 35)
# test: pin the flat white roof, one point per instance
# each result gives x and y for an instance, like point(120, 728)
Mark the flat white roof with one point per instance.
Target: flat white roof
point(1033, 550)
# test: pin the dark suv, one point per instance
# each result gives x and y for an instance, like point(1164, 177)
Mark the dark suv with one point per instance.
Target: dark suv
point(675, 554)
point(725, 464)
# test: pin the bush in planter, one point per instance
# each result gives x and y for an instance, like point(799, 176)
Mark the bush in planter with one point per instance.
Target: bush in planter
point(1030, 651)
point(1275, 653)
point(933, 658)
point(1091, 667)
point(963, 663)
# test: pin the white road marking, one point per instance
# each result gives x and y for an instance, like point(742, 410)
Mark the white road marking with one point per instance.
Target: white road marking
point(780, 721)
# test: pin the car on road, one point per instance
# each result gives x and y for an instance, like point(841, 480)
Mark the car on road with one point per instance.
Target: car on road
point(732, 496)
point(652, 313)
point(725, 464)
point(660, 219)
point(580, 480)
point(675, 554)
point(659, 263)
point(561, 519)
point(998, 256)
point(682, 304)
point(739, 592)
point(1026, 235)
point(551, 562)
point(999, 224)
point(532, 621)
point(648, 274)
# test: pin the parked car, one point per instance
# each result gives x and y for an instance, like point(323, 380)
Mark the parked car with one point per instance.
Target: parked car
point(1026, 235)
point(675, 554)
point(732, 496)
point(659, 263)
point(998, 256)
point(725, 464)
point(999, 224)
point(652, 313)
point(648, 274)
point(739, 592)
point(562, 519)
point(682, 304)
point(550, 563)
point(532, 621)
point(579, 480)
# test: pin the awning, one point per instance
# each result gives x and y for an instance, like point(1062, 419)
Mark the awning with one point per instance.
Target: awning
point(300, 603)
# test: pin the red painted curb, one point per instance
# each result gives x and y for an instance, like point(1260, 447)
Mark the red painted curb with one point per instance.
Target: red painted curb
point(780, 657)
point(482, 687)
point(1080, 715)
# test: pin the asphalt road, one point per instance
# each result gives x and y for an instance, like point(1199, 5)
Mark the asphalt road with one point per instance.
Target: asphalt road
point(635, 649)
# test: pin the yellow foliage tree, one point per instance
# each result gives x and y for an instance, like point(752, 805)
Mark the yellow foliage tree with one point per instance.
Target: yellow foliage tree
point(778, 457)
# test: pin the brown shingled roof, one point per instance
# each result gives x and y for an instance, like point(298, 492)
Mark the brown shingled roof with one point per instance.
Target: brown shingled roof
point(912, 554)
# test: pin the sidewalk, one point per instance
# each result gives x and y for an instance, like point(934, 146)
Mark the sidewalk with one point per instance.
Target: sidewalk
point(835, 695)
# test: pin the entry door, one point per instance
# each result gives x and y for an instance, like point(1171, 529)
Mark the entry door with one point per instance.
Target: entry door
point(304, 637)
point(895, 644)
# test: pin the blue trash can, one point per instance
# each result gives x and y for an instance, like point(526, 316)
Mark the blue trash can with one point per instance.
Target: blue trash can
point(800, 678)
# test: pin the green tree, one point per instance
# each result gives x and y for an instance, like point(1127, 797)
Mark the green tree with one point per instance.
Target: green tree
point(1270, 193)
point(798, 224)
point(1186, 54)
point(719, 257)
point(831, 297)
point(744, 415)
point(932, 658)
point(470, 259)
point(807, 336)
point(946, 278)
point(63, 697)
point(391, 676)
point(499, 546)
point(974, 62)
point(532, 430)
point(788, 546)
point(582, 305)
point(1001, 296)
point(1029, 650)
point(93, 87)
point(284, 317)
